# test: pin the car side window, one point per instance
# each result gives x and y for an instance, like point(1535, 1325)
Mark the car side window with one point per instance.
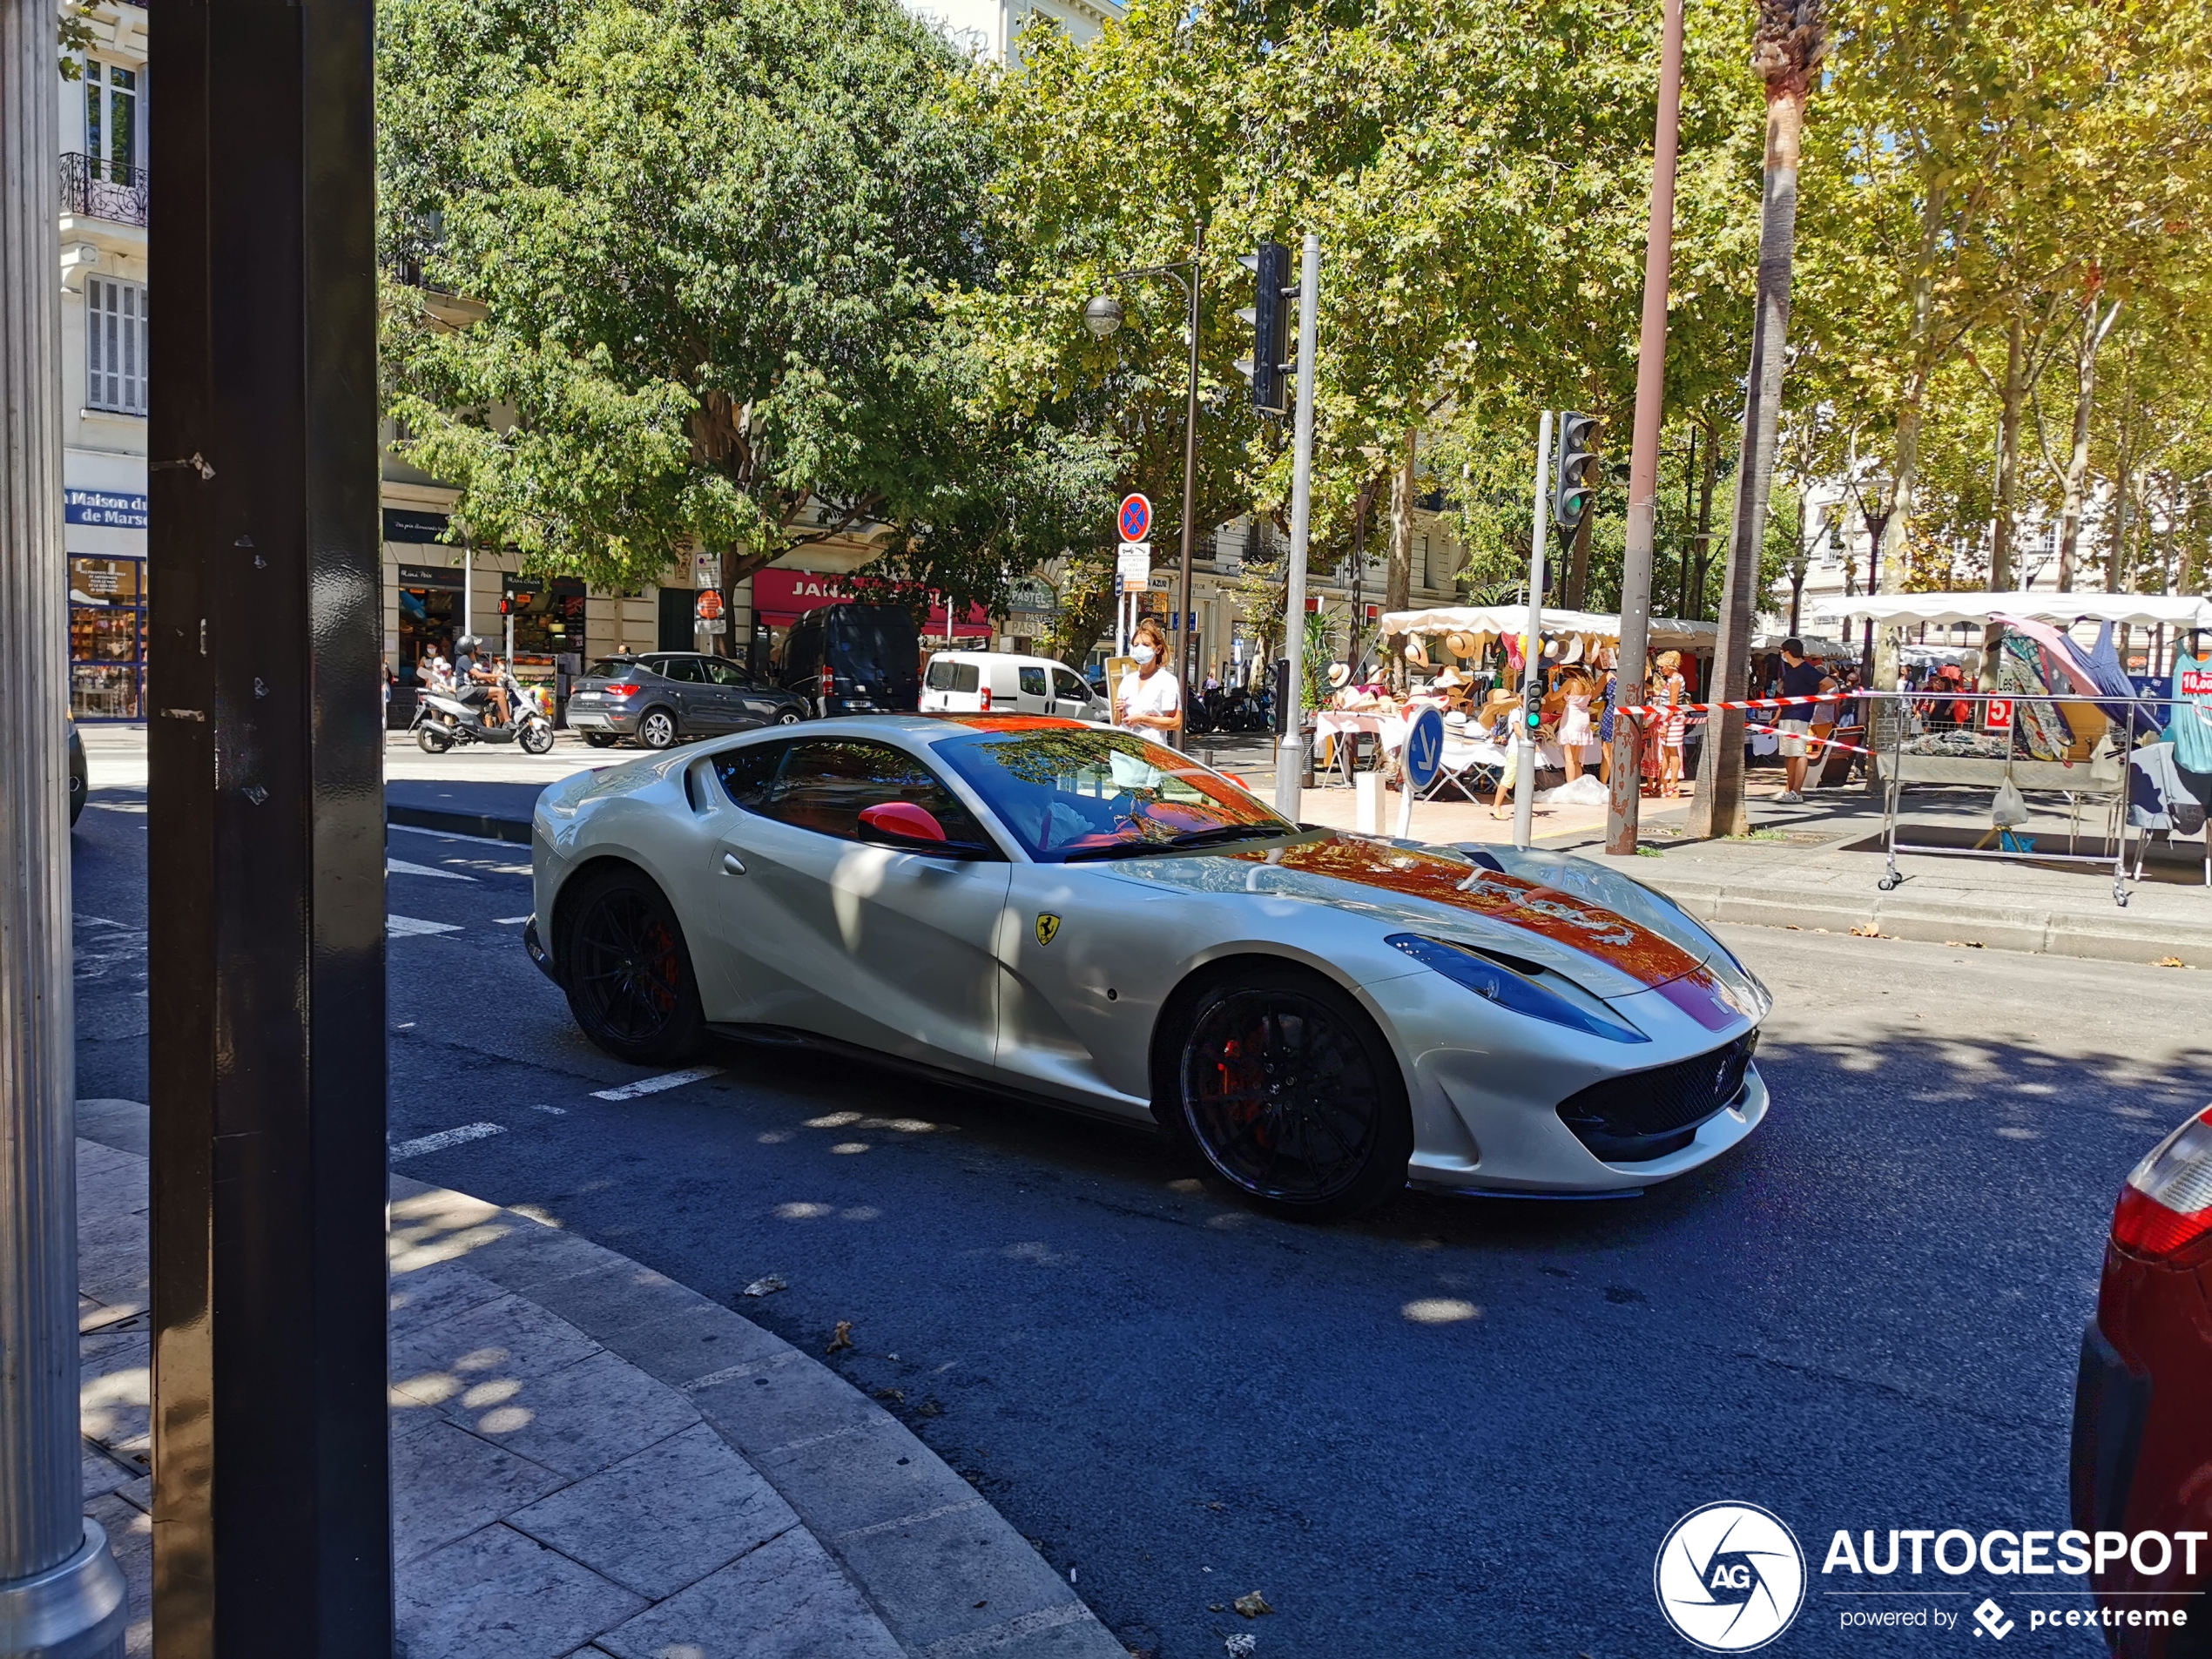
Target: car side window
point(685, 670)
point(828, 782)
point(1067, 685)
point(747, 773)
point(1033, 682)
point(724, 673)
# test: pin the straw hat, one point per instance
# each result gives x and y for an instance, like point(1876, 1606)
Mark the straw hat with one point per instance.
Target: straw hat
point(1460, 644)
point(1449, 678)
point(1551, 648)
point(1456, 721)
point(1574, 651)
point(1339, 676)
point(1417, 652)
point(1499, 698)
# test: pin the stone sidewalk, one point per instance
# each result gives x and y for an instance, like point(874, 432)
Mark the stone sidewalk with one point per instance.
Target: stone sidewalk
point(588, 1459)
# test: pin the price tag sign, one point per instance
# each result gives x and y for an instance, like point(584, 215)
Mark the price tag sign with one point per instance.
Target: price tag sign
point(1996, 714)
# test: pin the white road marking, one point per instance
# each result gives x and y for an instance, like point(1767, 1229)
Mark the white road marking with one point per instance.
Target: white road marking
point(508, 921)
point(558, 1111)
point(509, 847)
point(397, 926)
point(654, 1085)
point(118, 805)
point(444, 1139)
point(400, 866)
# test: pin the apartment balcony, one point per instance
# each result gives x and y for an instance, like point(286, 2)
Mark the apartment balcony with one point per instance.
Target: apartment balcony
point(92, 188)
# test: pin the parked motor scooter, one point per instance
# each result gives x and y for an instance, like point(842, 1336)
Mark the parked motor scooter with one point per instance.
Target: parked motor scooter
point(444, 719)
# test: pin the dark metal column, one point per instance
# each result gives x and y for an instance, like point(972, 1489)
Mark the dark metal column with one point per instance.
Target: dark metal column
point(272, 1495)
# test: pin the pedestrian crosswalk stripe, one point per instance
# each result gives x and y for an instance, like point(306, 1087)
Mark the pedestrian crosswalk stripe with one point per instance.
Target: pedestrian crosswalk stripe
point(399, 925)
point(400, 866)
point(444, 1139)
point(654, 1085)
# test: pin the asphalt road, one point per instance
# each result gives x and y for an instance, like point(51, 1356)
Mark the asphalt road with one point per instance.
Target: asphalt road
point(1459, 1427)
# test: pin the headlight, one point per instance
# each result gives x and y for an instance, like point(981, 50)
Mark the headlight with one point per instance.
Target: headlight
point(1528, 990)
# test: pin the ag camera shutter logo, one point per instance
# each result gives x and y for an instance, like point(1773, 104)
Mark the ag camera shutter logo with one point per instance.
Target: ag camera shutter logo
point(1730, 1577)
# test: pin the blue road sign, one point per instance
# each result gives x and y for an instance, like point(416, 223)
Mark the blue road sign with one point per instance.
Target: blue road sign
point(1424, 748)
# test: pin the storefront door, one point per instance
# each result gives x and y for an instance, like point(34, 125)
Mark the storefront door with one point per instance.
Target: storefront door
point(107, 632)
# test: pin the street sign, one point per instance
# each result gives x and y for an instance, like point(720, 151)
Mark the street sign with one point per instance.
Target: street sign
point(1134, 518)
point(709, 604)
point(719, 627)
point(1424, 748)
point(706, 570)
point(1133, 562)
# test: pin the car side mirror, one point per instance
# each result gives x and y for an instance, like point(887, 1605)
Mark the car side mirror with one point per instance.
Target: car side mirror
point(900, 822)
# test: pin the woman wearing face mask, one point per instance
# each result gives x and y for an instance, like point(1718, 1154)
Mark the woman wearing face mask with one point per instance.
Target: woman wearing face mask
point(1149, 699)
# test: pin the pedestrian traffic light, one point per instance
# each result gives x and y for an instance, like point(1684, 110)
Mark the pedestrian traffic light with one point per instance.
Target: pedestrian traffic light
point(1269, 316)
point(1578, 472)
point(1531, 700)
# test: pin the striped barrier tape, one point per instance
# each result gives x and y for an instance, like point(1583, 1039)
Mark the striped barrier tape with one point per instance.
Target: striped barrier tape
point(1642, 711)
point(1831, 743)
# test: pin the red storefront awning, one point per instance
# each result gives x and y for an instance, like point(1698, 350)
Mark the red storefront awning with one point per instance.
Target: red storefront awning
point(780, 597)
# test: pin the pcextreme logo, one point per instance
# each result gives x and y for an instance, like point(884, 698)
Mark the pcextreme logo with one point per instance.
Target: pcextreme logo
point(1730, 1577)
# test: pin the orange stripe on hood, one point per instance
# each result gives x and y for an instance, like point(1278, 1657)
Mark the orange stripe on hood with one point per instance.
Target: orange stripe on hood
point(1649, 958)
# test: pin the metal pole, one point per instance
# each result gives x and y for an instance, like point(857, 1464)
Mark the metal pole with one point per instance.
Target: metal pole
point(1290, 752)
point(61, 1593)
point(1191, 487)
point(272, 1504)
point(1532, 661)
point(1625, 794)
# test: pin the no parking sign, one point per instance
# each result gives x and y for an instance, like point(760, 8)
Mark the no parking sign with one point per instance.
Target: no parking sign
point(1134, 519)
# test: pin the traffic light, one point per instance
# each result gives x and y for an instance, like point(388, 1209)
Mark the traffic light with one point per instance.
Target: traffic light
point(1531, 700)
point(1578, 472)
point(1269, 316)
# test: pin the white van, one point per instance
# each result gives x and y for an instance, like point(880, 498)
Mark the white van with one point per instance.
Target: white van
point(988, 682)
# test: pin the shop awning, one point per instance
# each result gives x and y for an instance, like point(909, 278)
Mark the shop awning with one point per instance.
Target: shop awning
point(1666, 632)
point(2138, 609)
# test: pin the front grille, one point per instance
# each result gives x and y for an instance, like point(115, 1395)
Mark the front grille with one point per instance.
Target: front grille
point(1645, 1114)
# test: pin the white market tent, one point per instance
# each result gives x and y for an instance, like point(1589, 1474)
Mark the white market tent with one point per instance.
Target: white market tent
point(2061, 609)
point(1666, 632)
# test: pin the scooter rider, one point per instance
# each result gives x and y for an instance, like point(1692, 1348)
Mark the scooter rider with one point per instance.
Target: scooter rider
point(491, 674)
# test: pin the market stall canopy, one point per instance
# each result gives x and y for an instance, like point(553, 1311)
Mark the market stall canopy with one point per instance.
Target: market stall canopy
point(1818, 647)
point(2138, 609)
point(1666, 632)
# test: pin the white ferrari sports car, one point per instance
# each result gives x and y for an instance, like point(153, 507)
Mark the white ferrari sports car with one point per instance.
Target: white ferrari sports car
point(1088, 919)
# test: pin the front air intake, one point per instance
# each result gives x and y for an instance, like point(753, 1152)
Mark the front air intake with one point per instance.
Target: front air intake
point(1644, 1115)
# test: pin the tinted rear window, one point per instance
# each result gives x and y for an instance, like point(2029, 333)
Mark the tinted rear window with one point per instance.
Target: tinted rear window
point(607, 671)
point(946, 675)
point(874, 649)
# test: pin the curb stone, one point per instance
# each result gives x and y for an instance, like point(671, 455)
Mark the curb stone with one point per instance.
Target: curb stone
point(946, 1574)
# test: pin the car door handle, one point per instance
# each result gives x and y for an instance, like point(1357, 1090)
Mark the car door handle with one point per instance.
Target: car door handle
point(732, 864)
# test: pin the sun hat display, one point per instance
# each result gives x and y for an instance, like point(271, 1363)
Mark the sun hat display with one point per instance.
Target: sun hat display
point(1574, 651)
point(1456, 721)
point(1449, 678)
point(1339, 676)
point(1417, 653)
point(1460, 644)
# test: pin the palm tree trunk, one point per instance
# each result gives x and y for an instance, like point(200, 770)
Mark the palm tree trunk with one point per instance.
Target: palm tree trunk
point(1718, 808)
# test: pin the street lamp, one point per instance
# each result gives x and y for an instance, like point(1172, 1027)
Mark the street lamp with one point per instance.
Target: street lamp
point(1103, 316)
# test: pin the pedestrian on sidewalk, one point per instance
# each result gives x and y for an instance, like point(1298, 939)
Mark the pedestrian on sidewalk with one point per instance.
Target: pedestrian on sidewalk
point(1670, 690)
point(1149, 699)
point(1799, 678)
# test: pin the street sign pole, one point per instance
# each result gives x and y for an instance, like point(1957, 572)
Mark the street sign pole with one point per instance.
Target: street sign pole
point(1532, 661)
point(1189, 608)
point(61, 1591)
point(1290, 750)
point(271, 1486)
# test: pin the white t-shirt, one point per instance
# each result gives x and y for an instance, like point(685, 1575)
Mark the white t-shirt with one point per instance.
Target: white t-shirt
point(1158, 695)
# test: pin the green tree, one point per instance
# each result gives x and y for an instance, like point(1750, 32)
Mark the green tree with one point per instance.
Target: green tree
point(713, 238)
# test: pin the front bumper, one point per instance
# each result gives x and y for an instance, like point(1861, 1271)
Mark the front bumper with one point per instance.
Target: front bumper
point(538, 953)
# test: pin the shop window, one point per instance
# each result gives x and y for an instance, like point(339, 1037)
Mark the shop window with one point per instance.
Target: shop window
point(115, 350)
point(107, 638)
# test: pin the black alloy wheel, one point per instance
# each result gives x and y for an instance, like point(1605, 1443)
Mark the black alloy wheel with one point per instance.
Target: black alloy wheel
point(658, 729)
point(601, 739)
point(789, 716)
point(628, 973)
point(1289, 1093)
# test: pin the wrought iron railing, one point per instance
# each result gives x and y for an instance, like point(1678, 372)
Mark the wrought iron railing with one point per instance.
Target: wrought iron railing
point(98, 189)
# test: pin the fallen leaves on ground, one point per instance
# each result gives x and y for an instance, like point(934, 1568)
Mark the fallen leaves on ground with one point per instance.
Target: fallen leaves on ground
point(841, 1339)
point(1239, 1647)
point(1963, 944)
point(1252, 1604)
point(2169, 961)
point(896, 1396)
point(1872, 930)
point(766, 1287)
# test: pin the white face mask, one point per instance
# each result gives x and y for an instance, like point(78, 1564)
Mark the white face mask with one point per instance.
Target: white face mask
point(1142, 652)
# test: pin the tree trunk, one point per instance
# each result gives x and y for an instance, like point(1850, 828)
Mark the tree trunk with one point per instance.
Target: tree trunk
point(2077, 465)
point(1398, 584)
point(2123, 479)
point(2008, 457)
point(1912, 408)
point(1717, 808)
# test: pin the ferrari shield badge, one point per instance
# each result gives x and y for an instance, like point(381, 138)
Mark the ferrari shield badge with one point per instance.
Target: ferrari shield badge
point(1048, 925)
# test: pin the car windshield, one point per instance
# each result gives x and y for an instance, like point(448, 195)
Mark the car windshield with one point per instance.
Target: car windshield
point(1068, 792)
point(874, 651)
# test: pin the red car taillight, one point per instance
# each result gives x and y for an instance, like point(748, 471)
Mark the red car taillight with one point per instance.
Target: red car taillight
point(2166, 1204)
point(987, 699)
point(829, 680)
point(619, 691)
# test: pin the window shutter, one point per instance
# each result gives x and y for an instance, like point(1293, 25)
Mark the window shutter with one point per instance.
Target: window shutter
point(115, 345)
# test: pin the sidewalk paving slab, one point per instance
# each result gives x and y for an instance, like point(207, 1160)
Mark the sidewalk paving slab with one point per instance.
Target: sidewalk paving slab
point(590, 1460)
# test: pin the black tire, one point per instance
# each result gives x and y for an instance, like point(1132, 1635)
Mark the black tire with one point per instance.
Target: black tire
point(627, 971)
point(432, 741)
point(790, 716)
point(656, 729)
point(1283, 1088)
point(536, 739)
point(601, 739)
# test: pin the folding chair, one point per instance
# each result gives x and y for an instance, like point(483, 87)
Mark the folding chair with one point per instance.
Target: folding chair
point(1464, 766)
